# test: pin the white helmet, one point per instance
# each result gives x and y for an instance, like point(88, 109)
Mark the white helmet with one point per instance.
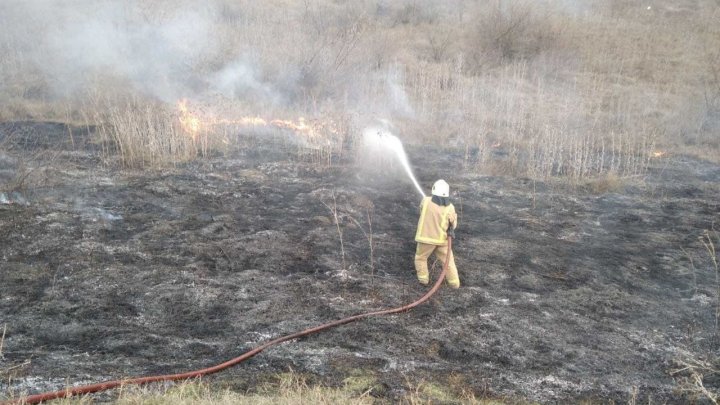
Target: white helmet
point(441, 189)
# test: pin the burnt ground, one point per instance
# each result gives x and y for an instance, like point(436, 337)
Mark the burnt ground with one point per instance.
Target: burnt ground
point(567, 295)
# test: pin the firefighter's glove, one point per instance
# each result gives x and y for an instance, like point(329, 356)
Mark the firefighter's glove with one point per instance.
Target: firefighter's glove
point(451, 232)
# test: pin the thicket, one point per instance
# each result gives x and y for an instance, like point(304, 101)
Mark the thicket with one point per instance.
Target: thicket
point(534, 88)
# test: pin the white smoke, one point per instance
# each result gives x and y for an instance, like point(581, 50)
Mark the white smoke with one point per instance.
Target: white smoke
point(241, 80)
point(399, 101)
point(162, 50)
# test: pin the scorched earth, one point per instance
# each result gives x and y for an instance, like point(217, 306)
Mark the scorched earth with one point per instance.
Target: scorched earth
point(567, 294)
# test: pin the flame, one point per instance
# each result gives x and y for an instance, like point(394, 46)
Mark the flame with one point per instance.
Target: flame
point(659, 154)
point(193, 124)
point(299, 126)
point(189, 122)
point(249, 121)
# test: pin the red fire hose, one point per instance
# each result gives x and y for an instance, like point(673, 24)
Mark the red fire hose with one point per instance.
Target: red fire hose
point(87, 389)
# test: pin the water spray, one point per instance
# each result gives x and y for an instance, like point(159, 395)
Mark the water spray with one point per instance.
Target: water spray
point(387, 140)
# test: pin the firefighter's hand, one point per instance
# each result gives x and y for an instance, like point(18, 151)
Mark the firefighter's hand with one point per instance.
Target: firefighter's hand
point(451, 232)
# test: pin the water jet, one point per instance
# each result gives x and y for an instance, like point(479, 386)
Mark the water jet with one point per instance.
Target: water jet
point(384, 139)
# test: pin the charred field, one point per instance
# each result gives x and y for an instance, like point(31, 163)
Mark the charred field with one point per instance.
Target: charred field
point(566, 294)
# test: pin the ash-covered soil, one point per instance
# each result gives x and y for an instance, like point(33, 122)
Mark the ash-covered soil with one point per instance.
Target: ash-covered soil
point(566, 294)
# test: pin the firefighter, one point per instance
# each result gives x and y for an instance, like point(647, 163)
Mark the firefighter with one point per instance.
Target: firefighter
point(437, 219)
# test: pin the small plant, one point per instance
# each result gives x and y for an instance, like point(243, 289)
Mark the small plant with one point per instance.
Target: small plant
point(708, 240)
point(690, 374)
point(371, 243)
point(426, 392)
point(694, 271)
point(336, 219)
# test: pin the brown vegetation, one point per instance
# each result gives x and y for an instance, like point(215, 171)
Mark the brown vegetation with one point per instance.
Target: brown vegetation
point(520, 87)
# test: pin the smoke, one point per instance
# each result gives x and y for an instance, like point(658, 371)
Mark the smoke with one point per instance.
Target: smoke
point(240, 80)
point(399, 101)
point(575, 7)
point(168, 50)
point(163, 50)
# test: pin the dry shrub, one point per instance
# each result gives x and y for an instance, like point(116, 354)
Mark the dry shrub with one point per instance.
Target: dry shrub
point(308, 55)
point(608, 183)
point(508, 31)
point(145, 133)
point(414, 13)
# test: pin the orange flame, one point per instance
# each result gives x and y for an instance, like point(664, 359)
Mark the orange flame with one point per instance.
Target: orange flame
point(250, 121)
point(189, 122)
point(659, 153)
point(192, 124)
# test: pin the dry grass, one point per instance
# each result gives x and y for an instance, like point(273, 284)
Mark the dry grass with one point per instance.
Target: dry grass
point(690, 374)
point(143, 133)
point(26, 169)
point(710, 239)
point(525, 89)
point(292, 388)
point(608, 183)
point(598, 96)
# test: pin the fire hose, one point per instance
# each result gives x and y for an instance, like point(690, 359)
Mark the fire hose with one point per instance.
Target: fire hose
point(88, 389)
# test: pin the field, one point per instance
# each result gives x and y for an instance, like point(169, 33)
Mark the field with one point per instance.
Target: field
point(171, 197)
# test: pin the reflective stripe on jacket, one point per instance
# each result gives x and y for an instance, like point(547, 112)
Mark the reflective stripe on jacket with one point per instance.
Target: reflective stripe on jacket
point(434, 221)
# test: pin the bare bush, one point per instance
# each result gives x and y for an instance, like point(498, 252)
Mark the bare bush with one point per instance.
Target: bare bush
point(415, 13)
point(507, 31)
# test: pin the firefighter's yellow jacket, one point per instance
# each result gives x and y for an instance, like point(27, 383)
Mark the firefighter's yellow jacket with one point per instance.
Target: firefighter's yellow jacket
point(434, 221)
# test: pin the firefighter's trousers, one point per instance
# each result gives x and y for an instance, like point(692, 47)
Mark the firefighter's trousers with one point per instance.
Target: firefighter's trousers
point(422, 254)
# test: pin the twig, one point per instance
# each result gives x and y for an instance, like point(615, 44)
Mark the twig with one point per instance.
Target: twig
point(371, 243)
point(692, 265)
point(372, 249)
point(15, 367)
point(2, 341)
point(334, 211)
point(709, 245)
point(698, 380)
point(555, 276)
point(693, 365)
